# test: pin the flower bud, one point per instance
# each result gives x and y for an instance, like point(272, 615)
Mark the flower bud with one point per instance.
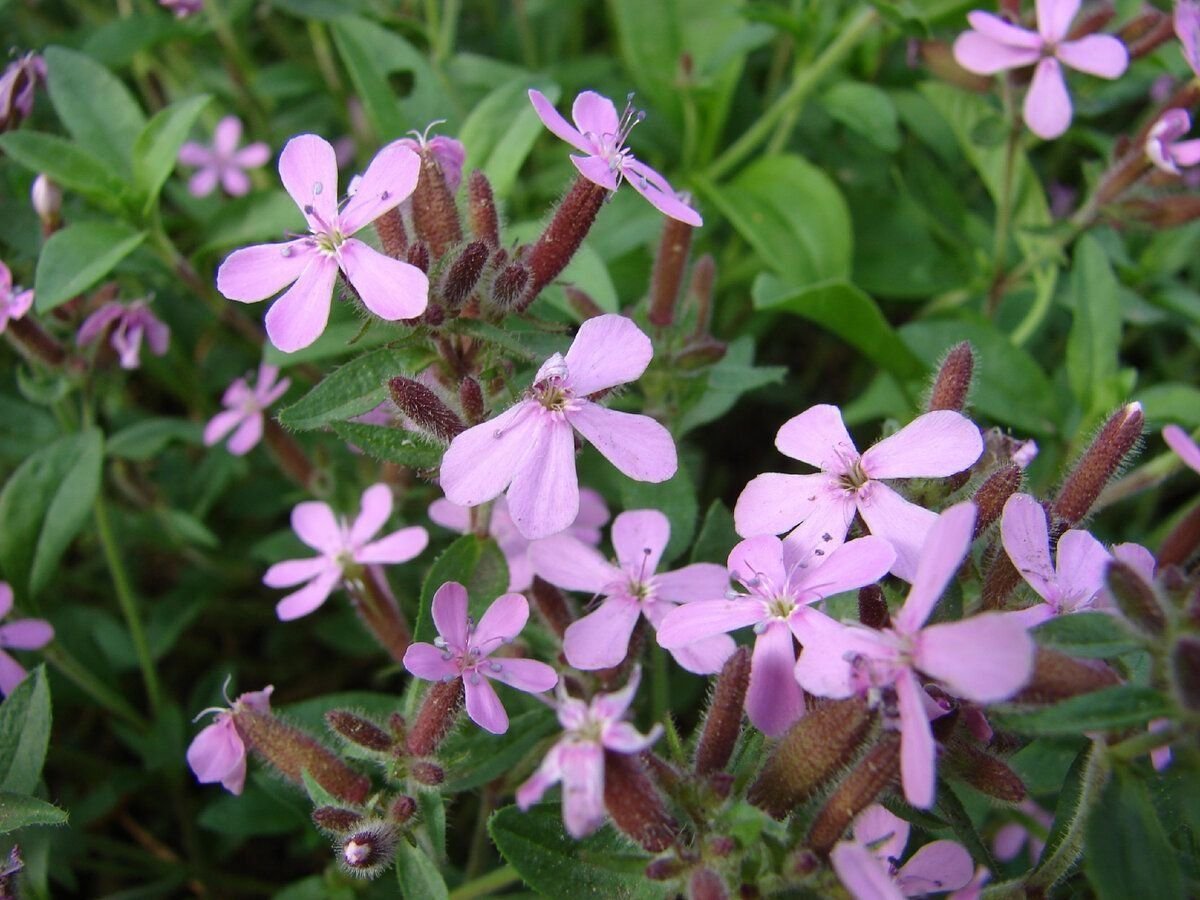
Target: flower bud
point(427, 773)
point(551, 603)
point(634, 805)
point(1094, 19)
point(425, 408)
point(582, 302)
point(335, 819)
point(1136, 599)
point(1146, 32)
point(559, 242)
point(667, 275)
point(721, 846)
point(999, 581)
point(872, 607)
point(986, 773)
point(436, 717)
point(664, 869)
point(1185, 671)
point(700, 290)
point(991, 496)
point(706, 885)
point(46, 197)
point(398, 727)
point(402, 809)
point(703, 351)
point(470, 398)
point(723, 722)
point(1116, 439)
point(1168, 211)
point(369, 851)
point(463, 274)
point(878, 769)
point(1057, 676)
point(435, 217)
point(1178, 546)
point(392, 235)
point(359, 731)
point(481, 208)
point(953, 381)
point(509, 285)
point(418, 255)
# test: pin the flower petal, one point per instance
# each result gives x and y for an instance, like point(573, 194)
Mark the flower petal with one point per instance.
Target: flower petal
point(846, 568)
point(252, 156)
point(824, 668)
point(397, 547)
point(624, 738)
point(246, 438)
point(308, 598)
point(699, 581)
point(547, 775)
point(291, 572)
point(703, 618)
point(216, 751)
point(884, 833)
point(986, 658)
point(918, 757)
point(936, 867)
point(758, 562)
point(600, 639)
point(12, 673)
point(1054, 18)
point(501, 622)
point(450, 515)
point(543, 498)
point(297, 318)
point(943, 551)
point(527, 675)
point(818, 437)
point(1081, 564)
point(773, 502)
point(6, 598)
point(1026, 538)
point(774, 700)
point(316, 525)
point(609, 350)
point(864, 876)
point(637, 445)
point(481, 461)
point(449, 610)
point(256, 273)
point(595, 116)
point(1183, 445)
point(934, 445)
point(203, 182)
point(308, 169)
point(582, 766)
point(390, 288)
point(194, 154)
point(227, 135)
point(572, 565)
point(706, 656)
point(428, 662)
point(659, 193)
point(1047, 108)
point(904, 524)
point(483, 706)
point(235, 182)
point(389, 180)
point(992, 26)
point(597, 170)
point(26, 634)
point(221, 424)
point(559, 126)
point(374, 510)
point(639, 537)
point(1101, 55)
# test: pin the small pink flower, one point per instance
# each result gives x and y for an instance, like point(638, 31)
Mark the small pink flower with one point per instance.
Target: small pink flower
point(630, 589)
point(1160, 757)
point(218, 752)
point(17, 86)
point(593, 513)
point(994, 45)
point(986, 658)
point(388, 287)
point(22, 634)
point(782, 581)
point(14, 302)
point(341, 545)
point(577, 759)
point(1163, 146)
point(868, 866)
point(244, 411)
point(934, 445)
point(1183, 445)
point(530, 449)
point(449, 153)
point(601, 135)
point(223, 163)
point(183, 9)
point(464, 650)
point(128, 324)
point(1012, 837)
point(1187, 29)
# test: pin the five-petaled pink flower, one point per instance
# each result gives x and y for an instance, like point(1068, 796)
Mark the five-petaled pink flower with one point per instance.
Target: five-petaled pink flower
point(868, 863)
point(244, 410)
point(1183, 445)
point(223, 162)
point(14, 302)
point(464, 650)
point(1073, 583)
point(1163, 146)
point(994, 45)
point(388, 287)
point(782, 580)
point(934, 445)
point(601, 135)
point(218, 752)
point(129, 323)
point(530, 448)
point(23, 634)
point(593, 513)
point(577, 759)
point(986, 658)
point(341, 545)
point(630, 589)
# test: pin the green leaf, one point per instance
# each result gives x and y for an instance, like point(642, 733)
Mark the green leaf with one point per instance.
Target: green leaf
point(1128, 853)
point(1096, 332)
point(68, 164)
point(157, 147)
point(392, 445)
point(556, 865)
point(317, 794)
point(19, 811)
point(1087, 634)
point(1122, 706)
point(418, 874)
point(353, 389)
point(77, 257)
point(433, 816)
point(146, 439)
point(44, 504)
point(1080, 790)
point(479, 757)
point(25, 733)
point(94, 106)
point(471, 561)
point(675, 498)
point(501, 130)
point(866, 110)
point(717, 535)
point(1172, 402)
point(255, 218)
point(950, 808)
point(846, 311)
point(723, 384)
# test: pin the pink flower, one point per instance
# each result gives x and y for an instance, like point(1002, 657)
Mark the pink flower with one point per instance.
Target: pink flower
point(782, 581)
point(986, 658)
point(218, 752)
point(631, 588)
point(223, 162)
point(577, 759)
point(183, 9)
point(867, 863)
point(593, 513)
point(1185, 448)
point(931, 446)
point(129, 324)
point(600, 135)
point(464, 650)
point(1012, 837)
point(994, 45)
point(530, 449)
point(244, 411)
point(23, 634)
point(1163, 146)
point(341, 545)
point(449, 153)
point(1160, 757)
point(387, 287)
point(1187, 29)
point(14, 302)
point(1075, 580)
point(17, 86)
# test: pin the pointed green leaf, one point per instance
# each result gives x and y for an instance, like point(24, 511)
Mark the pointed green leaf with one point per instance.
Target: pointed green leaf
point(25, 733)
point(157, 147)
point(94, 106)
point(77, 257)
point(68, 164)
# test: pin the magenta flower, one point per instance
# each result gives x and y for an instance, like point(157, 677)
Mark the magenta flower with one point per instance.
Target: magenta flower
point(1183, 445)
point(449, 153)
point(388, 287)
point(464, 650)
point(782, 582)
point(128, 324)
point(1163, 146)
point(1187, 29)
point(17, 86)
point(14, 302)
point(1075, 580)
point(994, 45)
point(23, 634)
point(218, 752)
point(223, 162)
point(601, 135)
point(593, 513)
point(1012, 837)
point(530, 449)
point(931, 446)
point(986, 658)
point(577, 759)
point(341, 545)
point(244, 411)
point(630, 589)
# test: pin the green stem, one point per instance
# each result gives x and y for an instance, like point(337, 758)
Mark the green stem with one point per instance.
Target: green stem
point(1140, 744)
point(128, 603)
point(486, 885)
point(803, 84)
point(91, 685)
point(1051, 870)
point(1004, 203)
point(660, 686)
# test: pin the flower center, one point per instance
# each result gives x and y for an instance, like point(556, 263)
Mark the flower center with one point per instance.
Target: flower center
point(854, 477)
point(780, 606)
point(552, 395)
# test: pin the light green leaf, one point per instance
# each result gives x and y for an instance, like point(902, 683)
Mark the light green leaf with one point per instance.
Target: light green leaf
point(157, 147)
point(418, 874)
point(501, 130)
point(25, 733)
point(20, 811)
point(68, 164)
point(394, 445)
point(1096, 332)
point(1171, 402)
point(146, 439)
point(77, 257)
point(675, 498)
point(1087, 634)
point(257, 217)
point(94, 106)
point(866, 110)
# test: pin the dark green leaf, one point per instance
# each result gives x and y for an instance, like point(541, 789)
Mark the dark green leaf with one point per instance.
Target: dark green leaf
point(24, 733)
point(1088, 634)
point(1122, 706)
point(94, 106)
point(68, 164)
point(675, 498)
point(257, 217)
point(77, 257)
point(394, 445)
point(501, 129)
point(418, 874)
point(1096, 332)
point(950, 808)
point(353, 389)
point(726, 382)
point(1173, 402)
point(19, 811)
point(478, 757)
point(147, 438)
point(717, 535)
point(477, 564)
point(1128, 854)
point(157, 147)
point(866, 110)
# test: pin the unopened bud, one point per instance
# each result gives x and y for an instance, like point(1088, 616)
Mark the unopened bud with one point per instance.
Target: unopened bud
point(634, 805)
point(397, 726)
point(481, 206)
point(418, 255)
point(462, 276)
point(667, 275)
point(1094, 18)
point(1185, 671)
point(872, 607)
point(984, 772)
point(721, 784)
point(1178, 546)
point(435, 216)
point(359, 731)
point(809, 754)
point(1169, 211)
point(425, 408)
point(953, 381)
point(392, 235)
point(509, 285)
point(582, 302)
point(427, 773)
point(436, 717)
point(1116, 440)
point(46, 197)
point(700, 290)
point(551, 603)
point(335, 819)
point(991, 496)
point(1135, 598)
point(1146, 32)
point(707, 885)
point(369, 851)
point(470, 398)
point(434, 315)
point(804, 862)
point(563, 236)
point(1057, 676)
point(702, 351)
point(1000, 579)
point(723, 722)
point(402, 809)
point(878, 769)
point(664, 869)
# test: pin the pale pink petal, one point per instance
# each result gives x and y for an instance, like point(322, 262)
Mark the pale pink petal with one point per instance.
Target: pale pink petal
point(986, 658)
point(998, 29)
point(520, 567)
point(501, 622)
point(559, 126)
point(818, 437)
point(601, 639)
point(397, 547)
point(846, 568)
point(829, 647)
point(1183, 445)
point(26, 634)
point(256, 273)
point(451, 515)
point(12, 673)
point(374, 510)
point(297, 318)
point(624, 738)
point(246, 438)
point(428, 662)
point(613, 705)
point(659, 193)
point(308, 169)
point(253, 155)
point(637, 445)
point(389, 180)
point(593, 513)
point(316, 525)
point(548, 774)
point(203, 182)
point(699, 581)
point(706, 656)
point(1082, 563)
point(221, 424)
point(390, 288)
point(864, 876)
point(597, 170)
point(582, 766)
point(904, 524)
point(20, 303)
point(237, 393)
point(543, 498)
point(483, 706)
point(704, 618)
point(449, 610)
point(595, 117)
point(1033, 616)
point(1026, 538)
point(918, 757)
point(1008, 841)
point(608, 351)
point(1101, 55)
point(308, 598)
point(1047, 108)
point(1054, 18)
point(527, 675)
point(1136, 557)
point(773, 503)
point(481, 461)
point(825, 527)
point(194, 154)
point(291, 572)
point(235, 182)
point(157, 334)
point(571, 564)
point(639, 537)
point(934, 445)
point(885, 834)
point(944, 549)
point(216, 752)
point(774, 700)
point(758, 561)
point(936, 867)
point(93, 326)
point(1186, 153)
point(227, 135)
